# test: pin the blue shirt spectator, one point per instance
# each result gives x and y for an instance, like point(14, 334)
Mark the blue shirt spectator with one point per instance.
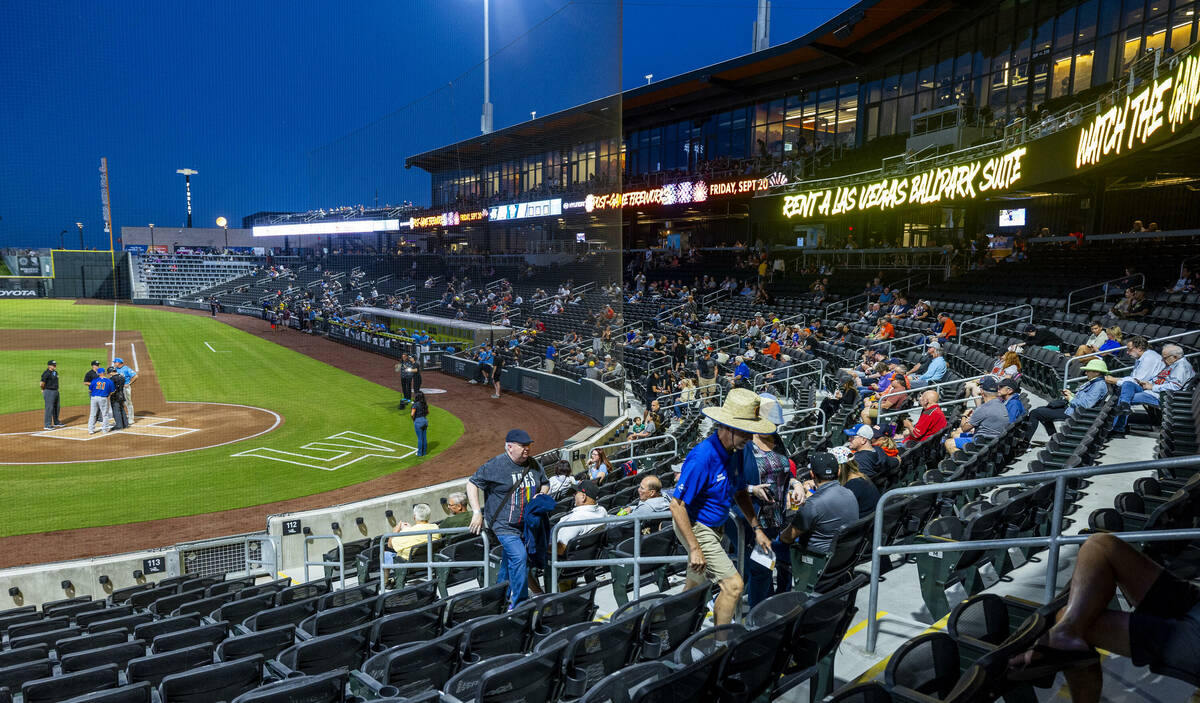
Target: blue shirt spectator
point(934, 373)
point(1088, 395)
point(707, 482)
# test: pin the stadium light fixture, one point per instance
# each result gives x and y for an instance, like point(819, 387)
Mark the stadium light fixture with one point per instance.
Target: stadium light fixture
point(649, 78)
point(187, 186)
point(151, 236)
point(224, 224)
point(61, 242)
point(485, 120)
point(80, 226)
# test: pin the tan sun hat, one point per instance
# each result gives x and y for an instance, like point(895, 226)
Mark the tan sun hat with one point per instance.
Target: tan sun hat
point(741, 412)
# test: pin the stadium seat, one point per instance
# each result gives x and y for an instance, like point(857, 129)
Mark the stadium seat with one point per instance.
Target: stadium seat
point(119, 654)
point(64, 686)
point(182, 639)
point(554, 611)
point(668, 620)
point(494, 635)
point(410, 598)
point(135, 693)
point(491, 600)
point(215, 682)
point(318, 655)
point(408, 626)
point(269, 643)
point(618, 686)
point(14, 676)
point(155, 667)
point(408, 670)
point(336, 619)
point(322, 688)
point(532, 677)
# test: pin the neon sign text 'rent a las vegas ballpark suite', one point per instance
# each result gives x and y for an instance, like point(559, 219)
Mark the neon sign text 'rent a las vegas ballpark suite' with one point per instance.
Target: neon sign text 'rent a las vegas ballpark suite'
point(961, 182)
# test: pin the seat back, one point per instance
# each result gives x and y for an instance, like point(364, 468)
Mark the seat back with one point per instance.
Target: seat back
point(410, 598)
point(119, 654)
point(150, 630)
point(615, 687)
point(212, 634)
point(488, 637)
point(290, 614)
point(64, 686)
point(558, 610)
point(242, 608)
point(418, 667)
point(983, 617)
point(691, 682)
point(155, 667)
point(756, 660)
point(533, 677)
point(672, 620)
point(134, 693)
point(927, 664)
point(14, 676)
point(323, 688)
point(86, 642)
point(269, 643)
point(300, 592)
point(408, 626)
point(346, 596)
point(215, 682)
point(328, 652)
point(490, 600)
point(326, 622)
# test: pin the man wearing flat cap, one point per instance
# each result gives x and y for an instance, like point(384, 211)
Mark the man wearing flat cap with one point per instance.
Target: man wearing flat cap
point(508, 481)
point(709, 482)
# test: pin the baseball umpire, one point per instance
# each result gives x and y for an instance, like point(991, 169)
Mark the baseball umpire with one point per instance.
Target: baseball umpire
point(49, 386)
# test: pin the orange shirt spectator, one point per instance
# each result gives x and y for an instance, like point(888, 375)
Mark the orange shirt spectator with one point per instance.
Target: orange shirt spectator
point(887, 330)
point(949, 329)
point(772, 350)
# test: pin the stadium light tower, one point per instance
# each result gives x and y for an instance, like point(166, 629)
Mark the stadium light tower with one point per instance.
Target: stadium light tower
point(224, 224)
point(80, 226)
point(151, 236)
point(485, 121)
point(187, 185)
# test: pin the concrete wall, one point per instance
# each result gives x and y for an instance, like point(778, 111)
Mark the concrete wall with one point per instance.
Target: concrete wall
point(196, 237)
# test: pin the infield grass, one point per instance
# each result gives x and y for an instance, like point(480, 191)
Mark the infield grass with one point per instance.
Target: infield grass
point(19, 389)
point(315, 400)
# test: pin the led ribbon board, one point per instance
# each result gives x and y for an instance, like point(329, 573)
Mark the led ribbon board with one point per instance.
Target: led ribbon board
point(339, 227)
point(962, 182)
point(1169, 102)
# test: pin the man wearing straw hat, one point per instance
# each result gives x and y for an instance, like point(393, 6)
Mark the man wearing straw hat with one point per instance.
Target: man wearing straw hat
point(1091, 393)
point(709, 481)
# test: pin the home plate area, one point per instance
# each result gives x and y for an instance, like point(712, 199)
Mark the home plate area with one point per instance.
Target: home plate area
point(144, 427)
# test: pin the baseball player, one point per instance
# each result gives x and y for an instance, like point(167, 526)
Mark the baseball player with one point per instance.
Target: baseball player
point(100, 388)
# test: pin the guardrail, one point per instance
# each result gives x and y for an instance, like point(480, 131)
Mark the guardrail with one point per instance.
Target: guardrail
point(637, 559)
point(709, 298)
point(429, 564)
point(1053, 541)
point(717, 396)
point(995, 316)
point(340, 563)
point(1104, 288)
point(263, 543)
point(818, 370)
point(628, 444)
point(806, 411)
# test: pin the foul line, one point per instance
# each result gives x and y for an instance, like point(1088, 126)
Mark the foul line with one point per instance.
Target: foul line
point(278, 421)
point(218, 351)
point(133, 351)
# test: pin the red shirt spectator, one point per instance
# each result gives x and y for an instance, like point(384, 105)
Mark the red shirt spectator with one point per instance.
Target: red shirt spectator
point(932, 421)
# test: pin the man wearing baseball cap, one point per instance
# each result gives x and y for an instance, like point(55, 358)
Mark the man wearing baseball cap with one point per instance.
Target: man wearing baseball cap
point(823, 512)
point(130, 376)
point(709, 482)
point(586, 495)
point(96, 370)
point(871, 459)
point(988, 420)
point(1010, 393)
point(508, 481)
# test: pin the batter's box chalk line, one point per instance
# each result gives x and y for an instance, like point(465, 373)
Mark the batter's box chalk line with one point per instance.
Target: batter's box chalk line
point(143, 427)
point(336, 451)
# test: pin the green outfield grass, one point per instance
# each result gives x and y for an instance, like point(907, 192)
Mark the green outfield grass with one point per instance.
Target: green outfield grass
point(314, 399)
point(18, 393)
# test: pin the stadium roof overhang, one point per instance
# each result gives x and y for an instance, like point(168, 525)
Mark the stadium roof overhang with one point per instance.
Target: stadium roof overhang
point(868, 33)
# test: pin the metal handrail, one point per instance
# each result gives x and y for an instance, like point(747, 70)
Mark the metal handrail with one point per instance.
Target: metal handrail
point(820, 369)
point(340, 563)
point(996, 315)
point(264, 542)
point(807, 411)
point(556, 563)
point(904, 411)
point(429, 563)
point(709, 298)
point(1052, 541)
point(1115, 350)
point(696, 395)
point(653, 438)
point(1104, 289)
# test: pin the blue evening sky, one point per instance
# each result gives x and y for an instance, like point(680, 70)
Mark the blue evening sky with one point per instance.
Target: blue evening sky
point(315, 105)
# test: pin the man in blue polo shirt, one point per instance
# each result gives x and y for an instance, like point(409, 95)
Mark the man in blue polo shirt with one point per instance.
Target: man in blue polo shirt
point(709, 483)
point(130, 376)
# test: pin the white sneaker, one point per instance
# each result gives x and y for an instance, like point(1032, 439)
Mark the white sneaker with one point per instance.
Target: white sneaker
point(494, 395)
point(92, 431)
point(47, 427)
point(473, 382)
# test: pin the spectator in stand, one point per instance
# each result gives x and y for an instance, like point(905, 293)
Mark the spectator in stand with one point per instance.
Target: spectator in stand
point(1090, 394)
point(709, 483)
point(945, 330)
point(1185, 283)
point(455, 506)
point(872, 459)
point(849, 475)
point(650, 498)
point(650, 424)
point(1114, 339)
point(884, 329)
point(1147, 363)
point(1096, 340)
point(935, 370)
point(1162, 631)
point(826, 506)
point(402, 545)
point(586, 495)
point(929, 423)
point(1008, 365)
point(598, 466)
point(1175, 374)
point(1042, 338)
point(551, 355)
point(741, 374)
point(893, 390)
point(988, 420)
point(1010, 393)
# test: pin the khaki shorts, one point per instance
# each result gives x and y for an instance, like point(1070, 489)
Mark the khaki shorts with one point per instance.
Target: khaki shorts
point(717, 564)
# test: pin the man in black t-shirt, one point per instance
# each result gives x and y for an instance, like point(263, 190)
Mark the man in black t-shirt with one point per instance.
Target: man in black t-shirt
point(49, 385)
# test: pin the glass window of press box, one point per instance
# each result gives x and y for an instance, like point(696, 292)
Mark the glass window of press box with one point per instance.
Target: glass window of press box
point(1019, 58)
